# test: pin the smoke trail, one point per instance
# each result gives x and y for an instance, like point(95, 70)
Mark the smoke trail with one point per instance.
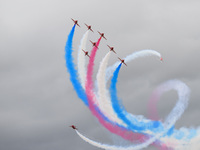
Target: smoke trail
point(71, 68)
point(112, 147)
point(103, 99)
point(121, 112)
point(90, 68)
point(130, 57)
point(103, 146)
point(81, 59)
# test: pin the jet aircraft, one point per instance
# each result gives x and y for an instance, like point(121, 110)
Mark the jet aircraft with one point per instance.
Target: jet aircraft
point(73, 127)
point(102, 35)
point(86, 53)
point(122, 61)
point(76, 22)
point(94, 44)
point(89, 27)
point(112, 49)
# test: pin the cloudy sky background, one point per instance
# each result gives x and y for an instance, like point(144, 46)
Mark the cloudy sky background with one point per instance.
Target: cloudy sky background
point(37, 100)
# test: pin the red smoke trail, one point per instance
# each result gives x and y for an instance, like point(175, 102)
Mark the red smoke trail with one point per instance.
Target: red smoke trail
point(89, 82)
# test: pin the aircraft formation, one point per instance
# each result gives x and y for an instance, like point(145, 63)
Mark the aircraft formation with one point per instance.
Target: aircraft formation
point(94, 44)
point(89, 27)
point(104, 104)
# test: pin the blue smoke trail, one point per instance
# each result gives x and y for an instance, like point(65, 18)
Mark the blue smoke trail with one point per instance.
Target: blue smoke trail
point(122, 113)
point(71, 68)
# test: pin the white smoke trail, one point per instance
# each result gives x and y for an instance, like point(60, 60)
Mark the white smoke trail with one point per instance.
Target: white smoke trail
point(103, 98)
point(81, 59)
point(130, 57)
point(115, 147)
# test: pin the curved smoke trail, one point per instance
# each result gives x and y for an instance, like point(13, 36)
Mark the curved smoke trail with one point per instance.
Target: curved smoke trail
point(71, 68)
point(90, 68)
point(81, 59)
point(131, 121)
point(103, 98)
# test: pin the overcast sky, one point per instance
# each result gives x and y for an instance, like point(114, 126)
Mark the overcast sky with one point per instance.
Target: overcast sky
point(37, 100)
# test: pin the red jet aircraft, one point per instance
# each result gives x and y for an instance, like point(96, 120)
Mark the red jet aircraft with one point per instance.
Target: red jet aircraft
point(94, 44)
point(102, 35)
point(76, 22)
point(112, 49)
point(73, 127)
point(86, 53)
point(122, 61)
point(89, 27)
